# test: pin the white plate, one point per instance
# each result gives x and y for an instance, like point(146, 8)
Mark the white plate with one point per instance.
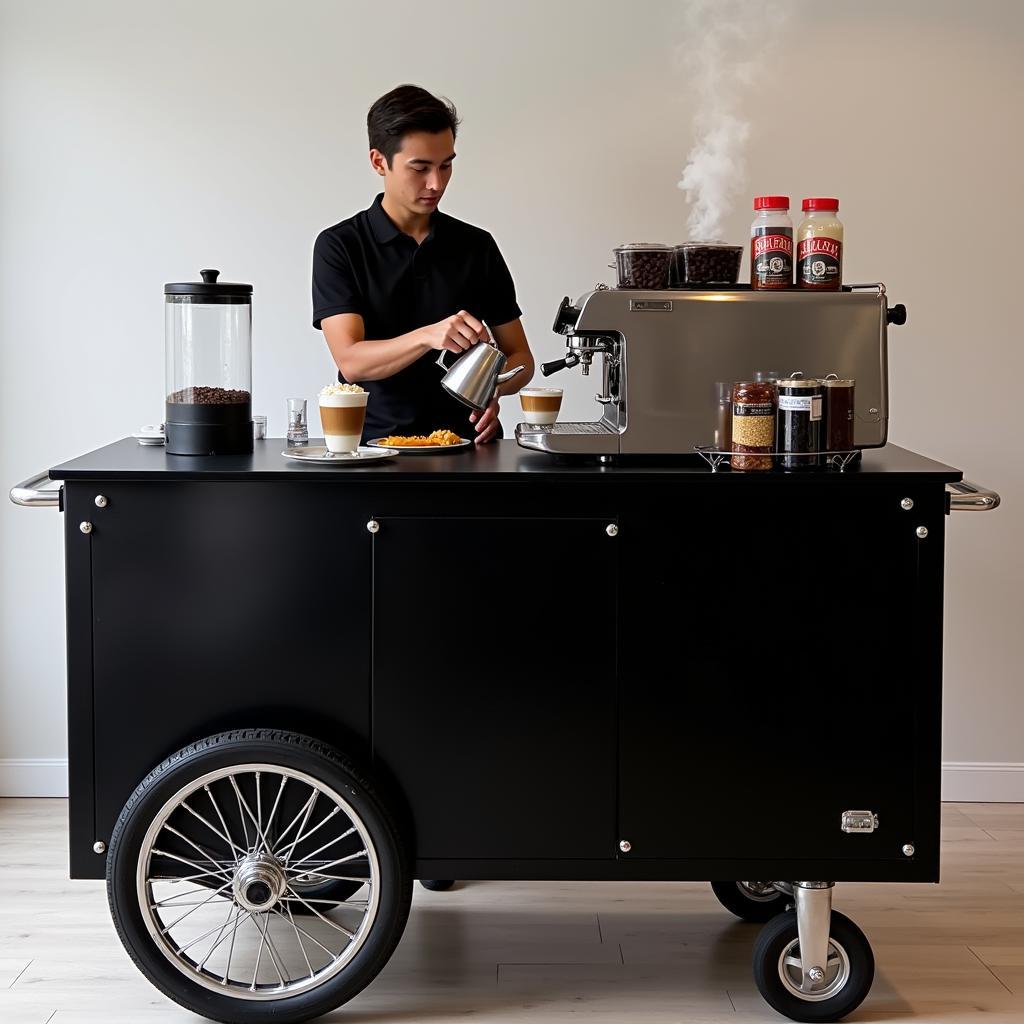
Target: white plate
point(320, 455)
point(422, 449)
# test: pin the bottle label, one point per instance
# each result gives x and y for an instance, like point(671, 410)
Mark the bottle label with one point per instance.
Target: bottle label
point(753, 409)
point(810, 404)
point(819, 262)
point(771, 257)
point(753, 424)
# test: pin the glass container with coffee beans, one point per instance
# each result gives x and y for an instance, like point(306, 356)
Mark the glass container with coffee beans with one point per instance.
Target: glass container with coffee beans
point(643, 265)
point(208, 348)
point(698, 263)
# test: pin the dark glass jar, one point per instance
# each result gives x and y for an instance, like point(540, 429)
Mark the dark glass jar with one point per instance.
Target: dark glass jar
point(753, 425)
point(839, 413)
point(799, 423)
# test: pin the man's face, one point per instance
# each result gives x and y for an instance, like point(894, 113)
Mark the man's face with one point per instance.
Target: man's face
point(419, 171)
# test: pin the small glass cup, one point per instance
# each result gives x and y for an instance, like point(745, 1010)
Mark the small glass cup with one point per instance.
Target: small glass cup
point(540, 405)
point(259, 428)
point(298, 423)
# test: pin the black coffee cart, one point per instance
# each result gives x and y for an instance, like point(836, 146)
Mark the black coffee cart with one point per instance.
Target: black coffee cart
point(293, 689)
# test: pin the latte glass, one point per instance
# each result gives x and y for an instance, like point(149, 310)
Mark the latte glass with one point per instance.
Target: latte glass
point(540, 405)
point(342, 418)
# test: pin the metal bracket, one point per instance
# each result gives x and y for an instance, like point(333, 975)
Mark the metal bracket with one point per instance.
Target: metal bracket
point(813, 921)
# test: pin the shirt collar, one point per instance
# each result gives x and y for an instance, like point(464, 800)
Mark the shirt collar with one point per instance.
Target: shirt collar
point(384, 228)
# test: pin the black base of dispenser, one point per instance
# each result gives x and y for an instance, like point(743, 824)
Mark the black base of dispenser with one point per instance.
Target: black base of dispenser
point(194, 429)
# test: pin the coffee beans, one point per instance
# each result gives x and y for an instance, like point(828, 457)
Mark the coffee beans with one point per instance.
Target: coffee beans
point(698, 263)
point(208, 396)
point(643, 265)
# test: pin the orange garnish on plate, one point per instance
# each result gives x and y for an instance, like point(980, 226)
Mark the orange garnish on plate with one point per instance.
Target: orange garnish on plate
point(436, 439)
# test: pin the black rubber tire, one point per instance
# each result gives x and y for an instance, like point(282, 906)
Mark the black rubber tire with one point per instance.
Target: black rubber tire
point(299, 753)
point(777, 934)
point(437, 884)
point(745, 907)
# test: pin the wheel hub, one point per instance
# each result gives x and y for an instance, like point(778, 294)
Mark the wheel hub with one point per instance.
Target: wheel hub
point(259, 882)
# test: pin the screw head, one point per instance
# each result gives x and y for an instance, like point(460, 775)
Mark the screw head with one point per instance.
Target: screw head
point(85, 527)
point(373, 526)
point(99, 847)
point(612, 530)
point(907, 504)
point(625, 846)
point(816, 974)
point(101, 501)
point(908, 850)
point(922, 532)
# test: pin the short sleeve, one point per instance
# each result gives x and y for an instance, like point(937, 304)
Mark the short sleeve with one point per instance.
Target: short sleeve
point(499, 304)
point(335, 288)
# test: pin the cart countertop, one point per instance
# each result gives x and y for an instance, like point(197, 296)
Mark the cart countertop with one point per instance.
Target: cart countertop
point(502, 461)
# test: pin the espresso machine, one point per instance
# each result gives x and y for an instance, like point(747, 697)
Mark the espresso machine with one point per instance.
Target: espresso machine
point(664, 354)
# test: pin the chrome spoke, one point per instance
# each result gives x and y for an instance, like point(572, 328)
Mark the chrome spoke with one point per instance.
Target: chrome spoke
point(291, 824)
point(259, 953)
point(330, 952)
point(298, 937)
point(337, 839)
point(270, 946)
point(191, 864)
point(212, 896)
point(333, 863)
point(243, 803)
point(317, 827)
point(212, 828)
point(326, 920)
point(224, 824)
point(318, 875)
point(309, 810)
point(273, 810)
point(245, 828)
point(195, 846)
point(233, 908)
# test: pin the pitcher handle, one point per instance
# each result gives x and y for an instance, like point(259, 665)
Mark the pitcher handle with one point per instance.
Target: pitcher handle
point(440, 360)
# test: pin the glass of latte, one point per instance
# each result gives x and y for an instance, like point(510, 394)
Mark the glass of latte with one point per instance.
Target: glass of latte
point(540, 405)
point(342, 412)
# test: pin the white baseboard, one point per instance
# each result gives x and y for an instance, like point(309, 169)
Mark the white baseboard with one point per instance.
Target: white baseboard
point(33, 776)
point(962, 781)
point(983, 782)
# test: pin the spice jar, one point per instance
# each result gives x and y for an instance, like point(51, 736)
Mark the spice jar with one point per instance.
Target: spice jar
point(839, 413)
point(799, 423)
point(819, 248)
point(723, 417)
point(753, 425)
point(771, 244)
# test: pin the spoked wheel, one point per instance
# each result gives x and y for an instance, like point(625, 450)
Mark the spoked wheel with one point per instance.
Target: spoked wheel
point(845, 979)
point(437, 884)
point(220, 850)
point(751, 901)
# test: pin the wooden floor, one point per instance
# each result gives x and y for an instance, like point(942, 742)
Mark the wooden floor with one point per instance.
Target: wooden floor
point(555, 952)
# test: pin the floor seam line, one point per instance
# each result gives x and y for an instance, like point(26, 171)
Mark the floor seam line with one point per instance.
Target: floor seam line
point(20, 973)
point(990, 971)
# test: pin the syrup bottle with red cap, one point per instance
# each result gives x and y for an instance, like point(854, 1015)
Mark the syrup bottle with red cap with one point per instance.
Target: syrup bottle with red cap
point(819, 246)
point(771, 244)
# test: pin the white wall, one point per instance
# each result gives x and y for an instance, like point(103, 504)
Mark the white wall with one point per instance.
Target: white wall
point(142, 141)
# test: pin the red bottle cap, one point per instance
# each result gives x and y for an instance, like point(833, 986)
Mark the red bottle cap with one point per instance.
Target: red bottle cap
point(821, 204)
point(771, 202)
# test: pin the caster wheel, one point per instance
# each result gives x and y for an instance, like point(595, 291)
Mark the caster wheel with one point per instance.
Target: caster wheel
point(224, 845)
point(751, 901)
point(437, 884)
point(847, 974)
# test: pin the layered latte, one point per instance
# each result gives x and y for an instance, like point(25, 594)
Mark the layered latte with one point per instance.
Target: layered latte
point(342, 412)
point(540, 405)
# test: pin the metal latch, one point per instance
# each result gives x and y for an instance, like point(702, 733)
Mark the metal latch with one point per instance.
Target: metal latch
point(859, 821)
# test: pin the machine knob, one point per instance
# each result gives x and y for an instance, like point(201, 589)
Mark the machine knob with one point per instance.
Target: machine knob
point(897, 314)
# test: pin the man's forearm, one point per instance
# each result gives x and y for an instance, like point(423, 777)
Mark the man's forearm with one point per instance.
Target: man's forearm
point(376, 360)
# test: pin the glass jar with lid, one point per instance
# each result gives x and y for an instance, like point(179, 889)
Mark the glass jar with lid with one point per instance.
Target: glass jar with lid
point(643, 265)
point(208, 350)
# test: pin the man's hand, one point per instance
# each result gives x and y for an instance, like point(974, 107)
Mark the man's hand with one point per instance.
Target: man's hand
point(486, 422)
point(455, 333)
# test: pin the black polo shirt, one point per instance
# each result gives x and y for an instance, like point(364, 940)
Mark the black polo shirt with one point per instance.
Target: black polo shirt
point(366, 265)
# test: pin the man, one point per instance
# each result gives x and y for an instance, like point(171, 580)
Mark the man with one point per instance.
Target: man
point(401, 281)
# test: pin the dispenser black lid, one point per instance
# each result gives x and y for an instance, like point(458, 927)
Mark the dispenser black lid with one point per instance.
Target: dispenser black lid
point(208, 290)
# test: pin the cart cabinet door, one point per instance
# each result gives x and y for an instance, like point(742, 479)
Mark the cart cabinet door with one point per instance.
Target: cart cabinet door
point(781, 665)
point(493, 714)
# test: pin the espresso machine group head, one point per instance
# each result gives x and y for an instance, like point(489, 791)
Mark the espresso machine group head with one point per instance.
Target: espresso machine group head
point(664, 354)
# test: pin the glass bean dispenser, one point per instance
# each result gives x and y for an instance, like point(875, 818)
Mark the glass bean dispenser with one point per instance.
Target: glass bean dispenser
point(208, 347)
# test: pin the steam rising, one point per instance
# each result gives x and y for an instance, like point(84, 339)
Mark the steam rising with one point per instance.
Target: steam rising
point(725, 43)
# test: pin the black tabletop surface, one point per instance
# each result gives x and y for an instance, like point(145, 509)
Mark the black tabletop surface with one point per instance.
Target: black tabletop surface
point(128, 460)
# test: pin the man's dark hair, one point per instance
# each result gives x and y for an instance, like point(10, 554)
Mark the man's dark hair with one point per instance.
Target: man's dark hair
point(408, 108)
